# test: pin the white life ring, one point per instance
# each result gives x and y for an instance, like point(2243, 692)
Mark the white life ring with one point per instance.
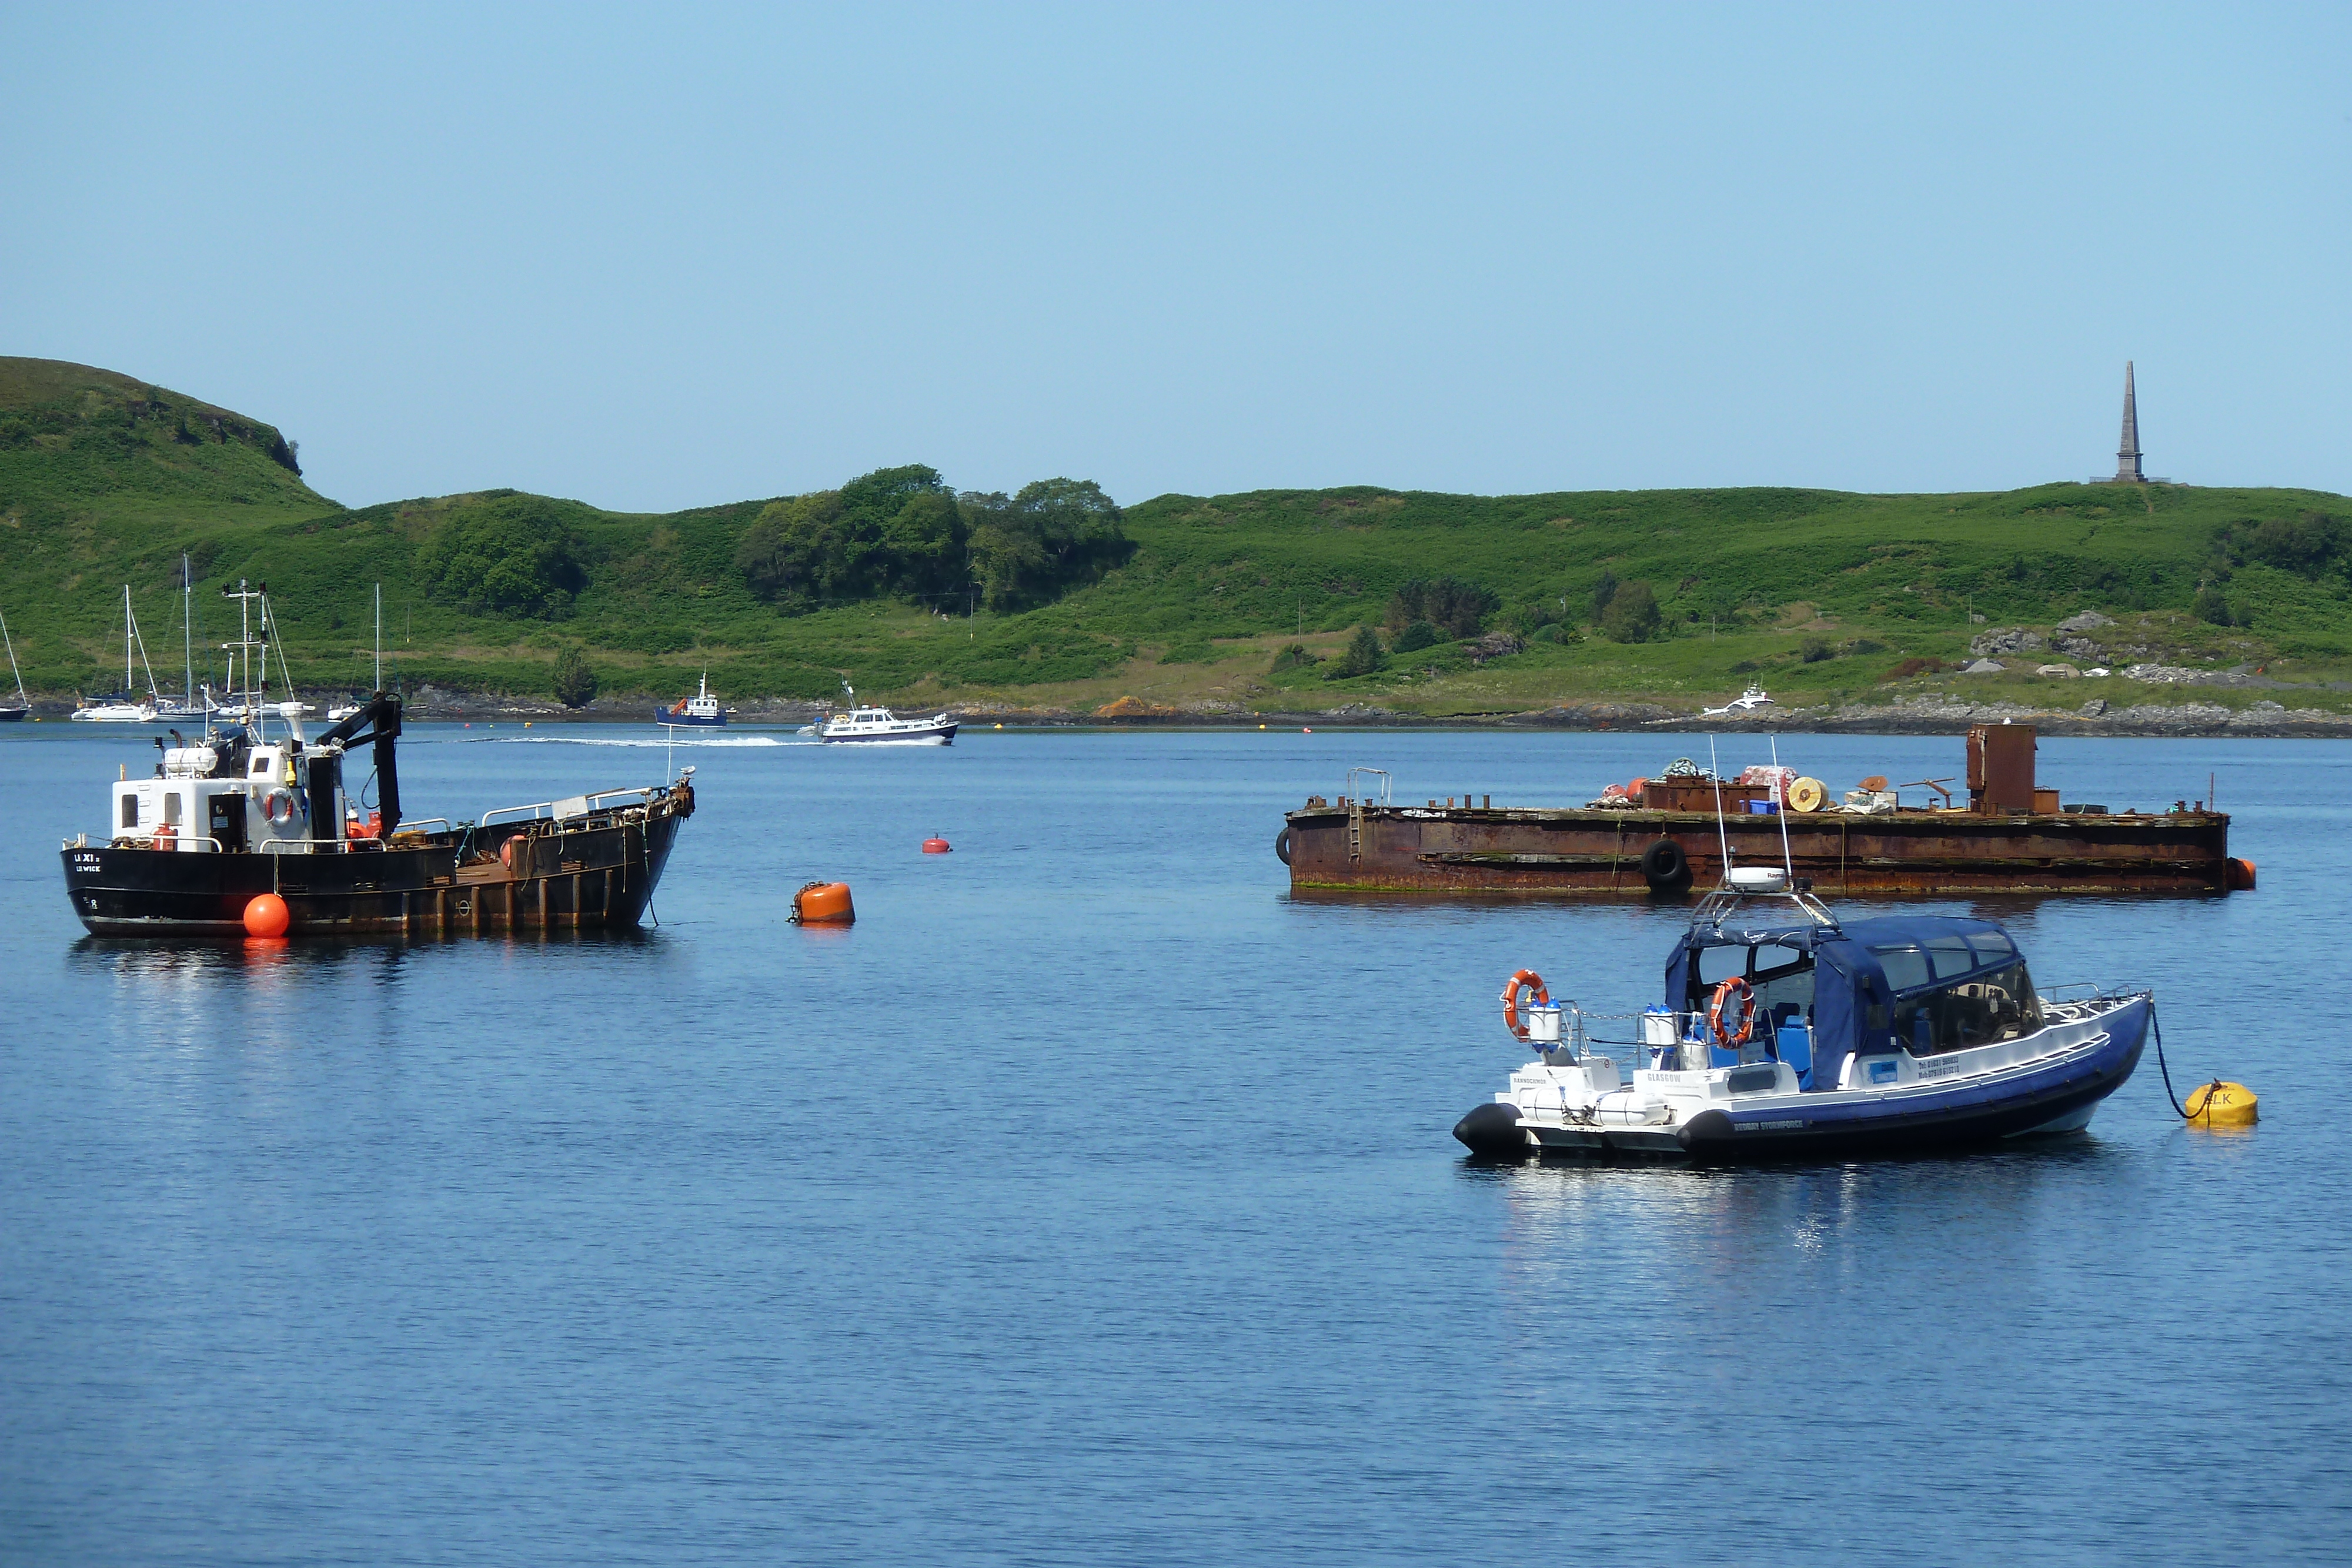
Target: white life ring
point(270, 802)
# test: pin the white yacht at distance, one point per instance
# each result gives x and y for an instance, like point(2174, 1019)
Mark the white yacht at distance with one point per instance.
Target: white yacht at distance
point(873, 725)
point(121, 707)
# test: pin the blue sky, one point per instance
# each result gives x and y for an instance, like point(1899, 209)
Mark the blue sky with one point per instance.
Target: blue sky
point(659, 258)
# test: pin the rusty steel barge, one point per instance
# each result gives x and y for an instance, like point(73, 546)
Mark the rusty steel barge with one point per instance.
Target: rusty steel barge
point(2009, 837)
point(243, 815)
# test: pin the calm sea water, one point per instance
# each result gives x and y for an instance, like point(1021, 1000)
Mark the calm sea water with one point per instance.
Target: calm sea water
point(1091, 1200)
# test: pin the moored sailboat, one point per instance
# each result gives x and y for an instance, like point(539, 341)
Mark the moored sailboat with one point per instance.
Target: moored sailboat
point(121, 707)
point(10, 713)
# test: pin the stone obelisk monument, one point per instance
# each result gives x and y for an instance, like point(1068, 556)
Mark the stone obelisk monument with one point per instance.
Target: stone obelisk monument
point(2127, 471)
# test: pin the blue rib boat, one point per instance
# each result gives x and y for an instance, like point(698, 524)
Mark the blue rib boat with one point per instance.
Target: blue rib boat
point(1787, 1033)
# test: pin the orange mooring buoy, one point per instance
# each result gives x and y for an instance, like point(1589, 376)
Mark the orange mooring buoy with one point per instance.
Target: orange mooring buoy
point(2242, 876)
point(824, 903)
point(935, 845)
point(266, 915)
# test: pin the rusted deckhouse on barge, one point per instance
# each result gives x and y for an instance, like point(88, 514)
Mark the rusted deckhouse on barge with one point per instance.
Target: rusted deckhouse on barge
point(2008, 838)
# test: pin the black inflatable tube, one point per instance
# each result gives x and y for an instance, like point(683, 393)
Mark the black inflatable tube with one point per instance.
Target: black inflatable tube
point(1492, 1130)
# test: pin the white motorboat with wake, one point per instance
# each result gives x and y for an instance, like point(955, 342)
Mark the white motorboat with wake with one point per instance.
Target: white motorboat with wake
point(1789, 1034)
point(879, 724)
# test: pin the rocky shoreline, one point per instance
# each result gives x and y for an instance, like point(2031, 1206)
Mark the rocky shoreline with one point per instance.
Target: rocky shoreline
point(1932, 715)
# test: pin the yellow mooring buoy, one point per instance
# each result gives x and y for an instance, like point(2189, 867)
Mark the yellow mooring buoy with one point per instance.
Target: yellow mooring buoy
point(2221, 1104)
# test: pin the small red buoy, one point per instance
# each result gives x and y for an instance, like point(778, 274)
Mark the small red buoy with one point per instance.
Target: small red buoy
point(266, 915)
point(1306, 729)
point(937, 846)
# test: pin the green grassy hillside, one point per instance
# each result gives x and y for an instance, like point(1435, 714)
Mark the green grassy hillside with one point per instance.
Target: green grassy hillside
point(105, 480)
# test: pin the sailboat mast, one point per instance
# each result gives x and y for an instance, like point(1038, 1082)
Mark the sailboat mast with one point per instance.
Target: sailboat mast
point(126, 641)
point(188, 631)
point(379, 637)
point(11, 659)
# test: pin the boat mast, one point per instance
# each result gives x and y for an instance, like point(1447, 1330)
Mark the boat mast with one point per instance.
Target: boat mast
point(12, 662)
point(126, 641)
point(188, 631)
point(379, 638)
point(251, 694)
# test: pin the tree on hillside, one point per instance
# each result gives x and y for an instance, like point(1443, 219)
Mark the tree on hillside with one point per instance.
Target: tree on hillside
point(1026, 549)
point(1631, 615)
point(1361, 657)
point(1602, 592)
point(1452, 605)
point(515, 554)
point(575, 680)
point(895, 531)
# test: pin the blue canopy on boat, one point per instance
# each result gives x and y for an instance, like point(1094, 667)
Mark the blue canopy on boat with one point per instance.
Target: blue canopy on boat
point(1859, 967)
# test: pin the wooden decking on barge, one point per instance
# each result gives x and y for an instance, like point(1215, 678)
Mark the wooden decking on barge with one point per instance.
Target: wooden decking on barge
point(1599, 853)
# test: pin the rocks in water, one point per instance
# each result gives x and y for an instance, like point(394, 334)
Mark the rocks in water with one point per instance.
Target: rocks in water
point(2007, 639)
point(2088, 621)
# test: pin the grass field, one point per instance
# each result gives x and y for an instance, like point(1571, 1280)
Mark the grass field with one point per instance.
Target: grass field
point(105, 480)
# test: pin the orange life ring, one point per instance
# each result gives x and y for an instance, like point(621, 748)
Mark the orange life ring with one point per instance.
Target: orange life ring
point(1724, 993)
point(1511, 1000)
point(270, 804)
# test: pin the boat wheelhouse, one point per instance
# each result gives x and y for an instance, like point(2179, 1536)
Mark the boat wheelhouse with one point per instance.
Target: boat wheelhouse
point(701, 710)
point(1786, 1032)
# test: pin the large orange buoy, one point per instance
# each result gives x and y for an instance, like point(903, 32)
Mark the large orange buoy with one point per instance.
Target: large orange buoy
point(824, 903)
point(2241, 875)
point(935, 845)
point(266, 915)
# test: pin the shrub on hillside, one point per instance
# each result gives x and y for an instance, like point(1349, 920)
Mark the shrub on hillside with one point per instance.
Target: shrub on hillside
point(575, 679)
point(514, 554)
point(1527, 619)
point(1632, 614)
point(1602, 592)
point(2211, 606)
point(1296, 656)
point(1361, 657)
point(1816, 650)
point(1910, 667)
point(1451, 605)
point(1416, 636)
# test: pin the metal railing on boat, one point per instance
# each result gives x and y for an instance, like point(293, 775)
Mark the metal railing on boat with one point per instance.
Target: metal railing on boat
point(578, 806)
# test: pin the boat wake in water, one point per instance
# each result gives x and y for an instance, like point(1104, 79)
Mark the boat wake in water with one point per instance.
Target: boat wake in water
point(656, 743)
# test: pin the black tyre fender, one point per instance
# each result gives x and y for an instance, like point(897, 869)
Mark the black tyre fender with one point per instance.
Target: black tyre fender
point(1282, 844)
point(1664, 866)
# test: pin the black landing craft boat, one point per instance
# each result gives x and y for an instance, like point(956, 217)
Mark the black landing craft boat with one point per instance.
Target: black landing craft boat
point(239, 816)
